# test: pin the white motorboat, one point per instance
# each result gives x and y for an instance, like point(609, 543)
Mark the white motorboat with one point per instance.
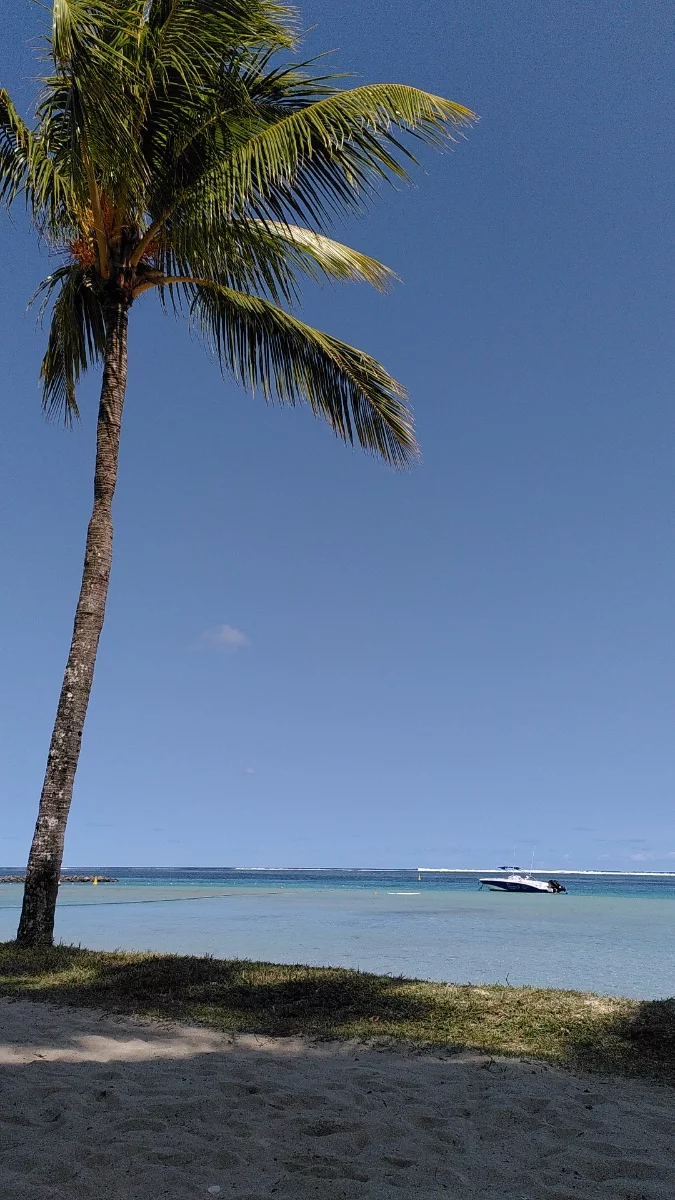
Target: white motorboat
point(516, 882)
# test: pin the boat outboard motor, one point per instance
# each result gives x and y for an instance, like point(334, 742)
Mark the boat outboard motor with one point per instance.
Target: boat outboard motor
point(556, 886)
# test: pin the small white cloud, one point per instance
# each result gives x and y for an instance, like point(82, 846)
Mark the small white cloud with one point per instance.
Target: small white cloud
point(225, 637)
point(643, 856)
point(249, 770)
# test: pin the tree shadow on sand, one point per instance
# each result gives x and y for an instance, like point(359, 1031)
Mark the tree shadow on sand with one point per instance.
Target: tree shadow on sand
point(258, 996)
point(571, 1029)
point(100, 1106)
point(640, 1042)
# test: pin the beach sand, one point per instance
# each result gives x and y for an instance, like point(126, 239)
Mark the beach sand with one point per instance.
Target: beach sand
point(97, 1106)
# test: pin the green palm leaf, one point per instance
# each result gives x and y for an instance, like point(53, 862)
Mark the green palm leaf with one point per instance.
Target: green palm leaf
point(266, 257)
point(15, 148)
point(27, 166)
point(321, 256)
point(328, 156)
point(269, 350)
point(76, 338)
point(171, 145)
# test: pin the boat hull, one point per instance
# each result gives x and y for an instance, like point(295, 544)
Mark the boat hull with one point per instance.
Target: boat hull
point(509, 885)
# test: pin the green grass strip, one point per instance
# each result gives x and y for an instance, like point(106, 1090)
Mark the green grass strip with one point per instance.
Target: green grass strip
point(572, 1029)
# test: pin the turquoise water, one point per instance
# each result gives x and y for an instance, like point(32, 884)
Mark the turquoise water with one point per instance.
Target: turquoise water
point(610, 934)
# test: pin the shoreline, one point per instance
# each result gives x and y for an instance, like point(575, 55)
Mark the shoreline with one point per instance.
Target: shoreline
point(197, 1076)
point(616, 945)
point(570, 1029)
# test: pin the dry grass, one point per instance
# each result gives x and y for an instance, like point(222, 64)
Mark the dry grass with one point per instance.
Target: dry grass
point(573, 1029)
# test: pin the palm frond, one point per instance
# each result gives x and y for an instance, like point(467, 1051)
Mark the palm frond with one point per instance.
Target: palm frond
point(265, 257)
point(188, 40)
point(15, 145)
point(326, 157)
point(27, 166)
point(268, 349)
point(322, 257)
point(76, 338)
point(172, 151)
point(90, 104)
point(186, 79)
point(239, 255)
point(98, 29)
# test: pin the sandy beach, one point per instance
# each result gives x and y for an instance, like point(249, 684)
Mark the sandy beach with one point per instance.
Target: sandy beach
point(93, 1105)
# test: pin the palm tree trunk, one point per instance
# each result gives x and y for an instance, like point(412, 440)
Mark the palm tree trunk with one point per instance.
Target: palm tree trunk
point(36, 927)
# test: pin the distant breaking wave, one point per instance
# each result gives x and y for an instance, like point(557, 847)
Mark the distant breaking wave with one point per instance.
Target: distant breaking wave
point(535, 871)
point(454, 871)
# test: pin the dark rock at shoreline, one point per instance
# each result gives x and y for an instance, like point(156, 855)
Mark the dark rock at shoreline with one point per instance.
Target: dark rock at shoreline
point(63, 879)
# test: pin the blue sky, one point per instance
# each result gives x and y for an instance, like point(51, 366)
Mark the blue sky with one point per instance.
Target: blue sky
point(309, 659)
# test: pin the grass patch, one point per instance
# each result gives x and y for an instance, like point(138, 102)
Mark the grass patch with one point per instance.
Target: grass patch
point(572, 1029)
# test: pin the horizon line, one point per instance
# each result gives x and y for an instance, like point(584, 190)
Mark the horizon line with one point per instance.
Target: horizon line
point(372, 870)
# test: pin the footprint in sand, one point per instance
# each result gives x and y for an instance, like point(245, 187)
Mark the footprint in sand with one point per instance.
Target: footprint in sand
point(322, 1129)
point(430, 1122)
point(394, 1161)
point(324, 1166)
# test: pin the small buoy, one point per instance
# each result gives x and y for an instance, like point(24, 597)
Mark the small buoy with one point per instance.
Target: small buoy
point(95, 880)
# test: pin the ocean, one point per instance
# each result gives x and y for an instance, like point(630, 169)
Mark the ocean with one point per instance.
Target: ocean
point(611, 933)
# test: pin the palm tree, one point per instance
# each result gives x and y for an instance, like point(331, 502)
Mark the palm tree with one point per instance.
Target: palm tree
point(172, 152)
